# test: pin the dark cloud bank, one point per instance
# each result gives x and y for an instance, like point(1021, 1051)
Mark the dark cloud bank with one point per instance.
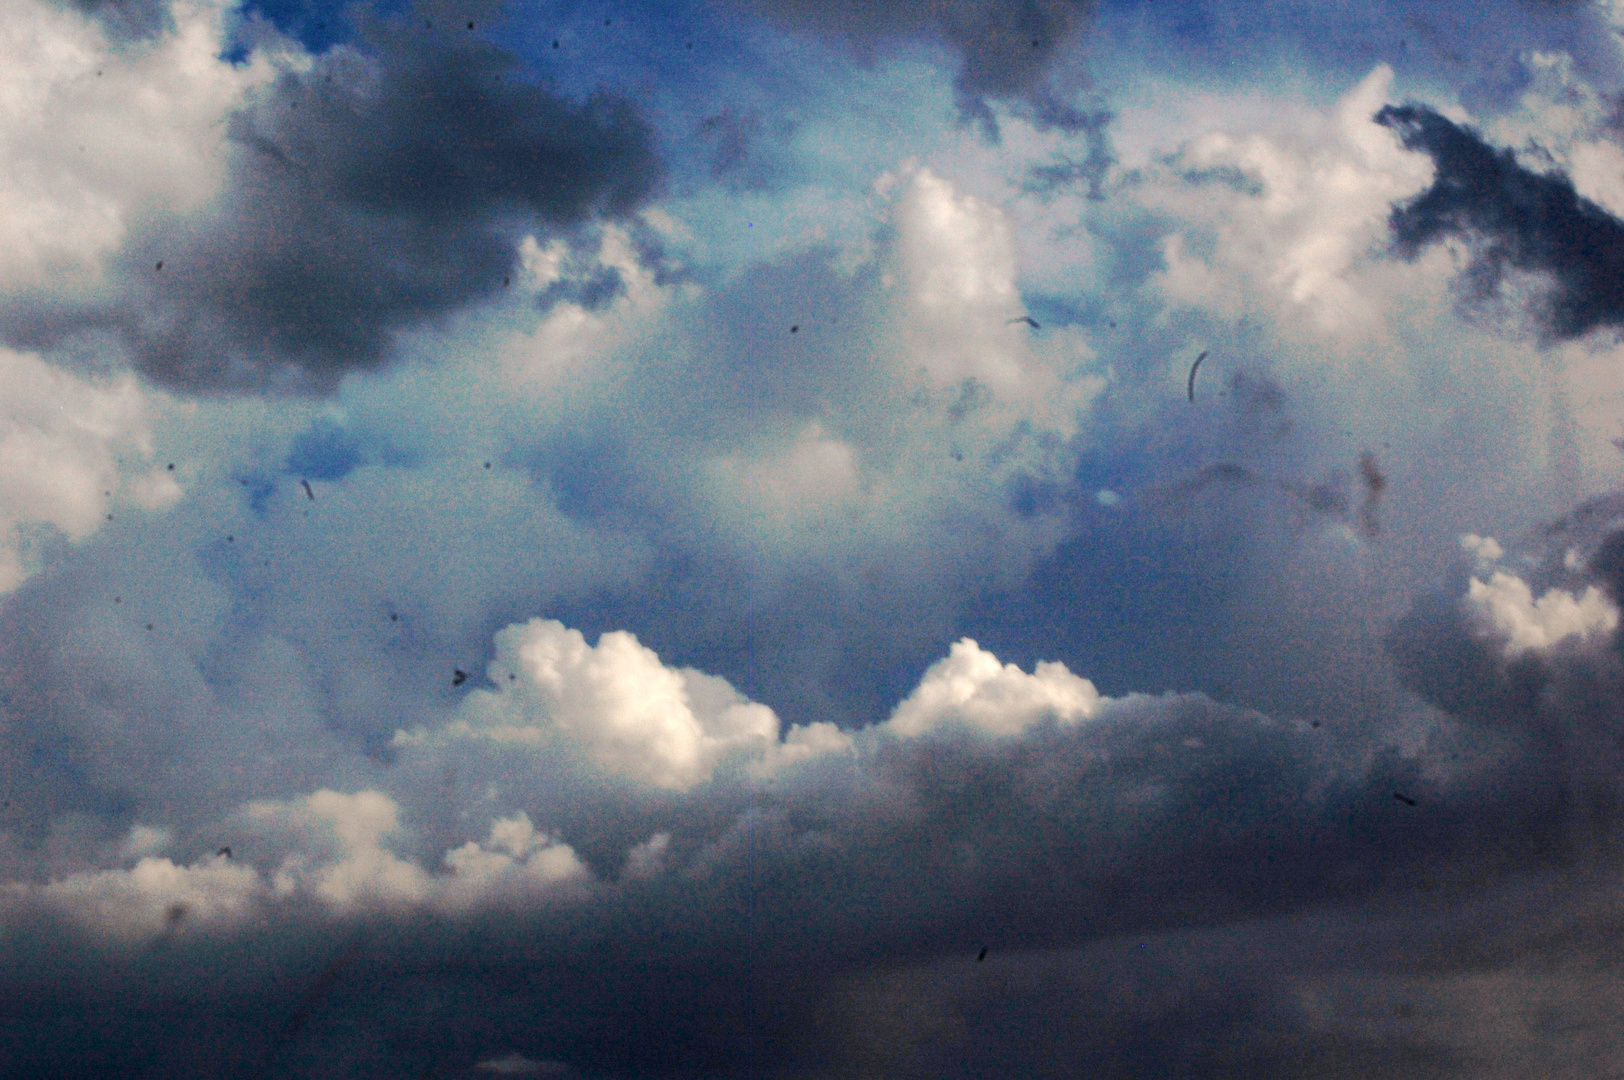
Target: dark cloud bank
point(1171, 886)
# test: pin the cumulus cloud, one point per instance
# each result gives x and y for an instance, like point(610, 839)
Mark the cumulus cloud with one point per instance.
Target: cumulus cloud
point(961, 816)
point(769, 725)
point(136, 905)
point(1505, 607)
point(72, 450)
point(971, 687)
point(614, 703)
point(1293, 214)
point(356, 193)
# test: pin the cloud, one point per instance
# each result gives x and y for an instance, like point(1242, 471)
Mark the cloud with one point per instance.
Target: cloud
point(1007, 48)
point(971, 687)
point(995, 804)
point(73, 450)
point(614, 702)
point(1512, 219)
point(372, 188)
point(103, 138)
point(1505, 607)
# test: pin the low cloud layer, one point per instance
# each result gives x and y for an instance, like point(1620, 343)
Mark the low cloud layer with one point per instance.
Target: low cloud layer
point(996, 807)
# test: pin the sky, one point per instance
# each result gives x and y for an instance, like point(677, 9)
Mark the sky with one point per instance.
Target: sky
point(816, 539)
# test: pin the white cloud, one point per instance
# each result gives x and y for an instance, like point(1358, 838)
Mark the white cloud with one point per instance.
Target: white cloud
point(803, 742)
point(146, 840)
point(970, 686)
point(1290, 220)
point(516, 862)
point(340, 856)
point(65, 443)
point(95, 137)
point(156, 895)
point(1505, 607)
point(647, 859)
point(1485, 549)
point(954, 262)
point(615, 704)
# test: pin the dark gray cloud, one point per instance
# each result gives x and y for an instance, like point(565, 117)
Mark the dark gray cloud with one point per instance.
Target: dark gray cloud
point(786, 911)
point(1514, 219)
point(384, 186)
point(1006, 48)
point(1558, 704)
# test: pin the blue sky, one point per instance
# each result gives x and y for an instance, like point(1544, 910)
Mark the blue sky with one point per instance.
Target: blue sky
point(644, 557)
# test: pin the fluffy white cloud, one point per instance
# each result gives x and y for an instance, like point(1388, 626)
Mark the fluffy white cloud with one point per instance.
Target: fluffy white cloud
point(1485, 549)
point(96, 136)
point(516, 863)
point(156, 896)
point(1505, 607)
point(970, 686)
point(953, 266)
point(69, 447)
point(340, 855)
point(614, 703)
point(1289, 220)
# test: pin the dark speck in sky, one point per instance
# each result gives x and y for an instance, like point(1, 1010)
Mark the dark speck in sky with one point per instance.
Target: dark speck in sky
point(458, 676)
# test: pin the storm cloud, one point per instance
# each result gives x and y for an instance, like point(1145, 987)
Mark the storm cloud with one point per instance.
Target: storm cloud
point(1512, 219)
point(381, 186)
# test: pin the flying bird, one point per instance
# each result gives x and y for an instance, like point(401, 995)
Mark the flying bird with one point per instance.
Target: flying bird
point(226, 851)
point(458, 676)
point(1193, 366)
point(308, 492)
point(1027, 319)
point(1405, 799)
point(982, 955)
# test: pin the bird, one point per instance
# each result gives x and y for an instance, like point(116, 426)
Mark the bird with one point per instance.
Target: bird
point(1405, 799)
point(308, 492)
point(982, 955)
point(458, 676)
point(226, 851)
point(1027, 319)
point(1193, 366)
